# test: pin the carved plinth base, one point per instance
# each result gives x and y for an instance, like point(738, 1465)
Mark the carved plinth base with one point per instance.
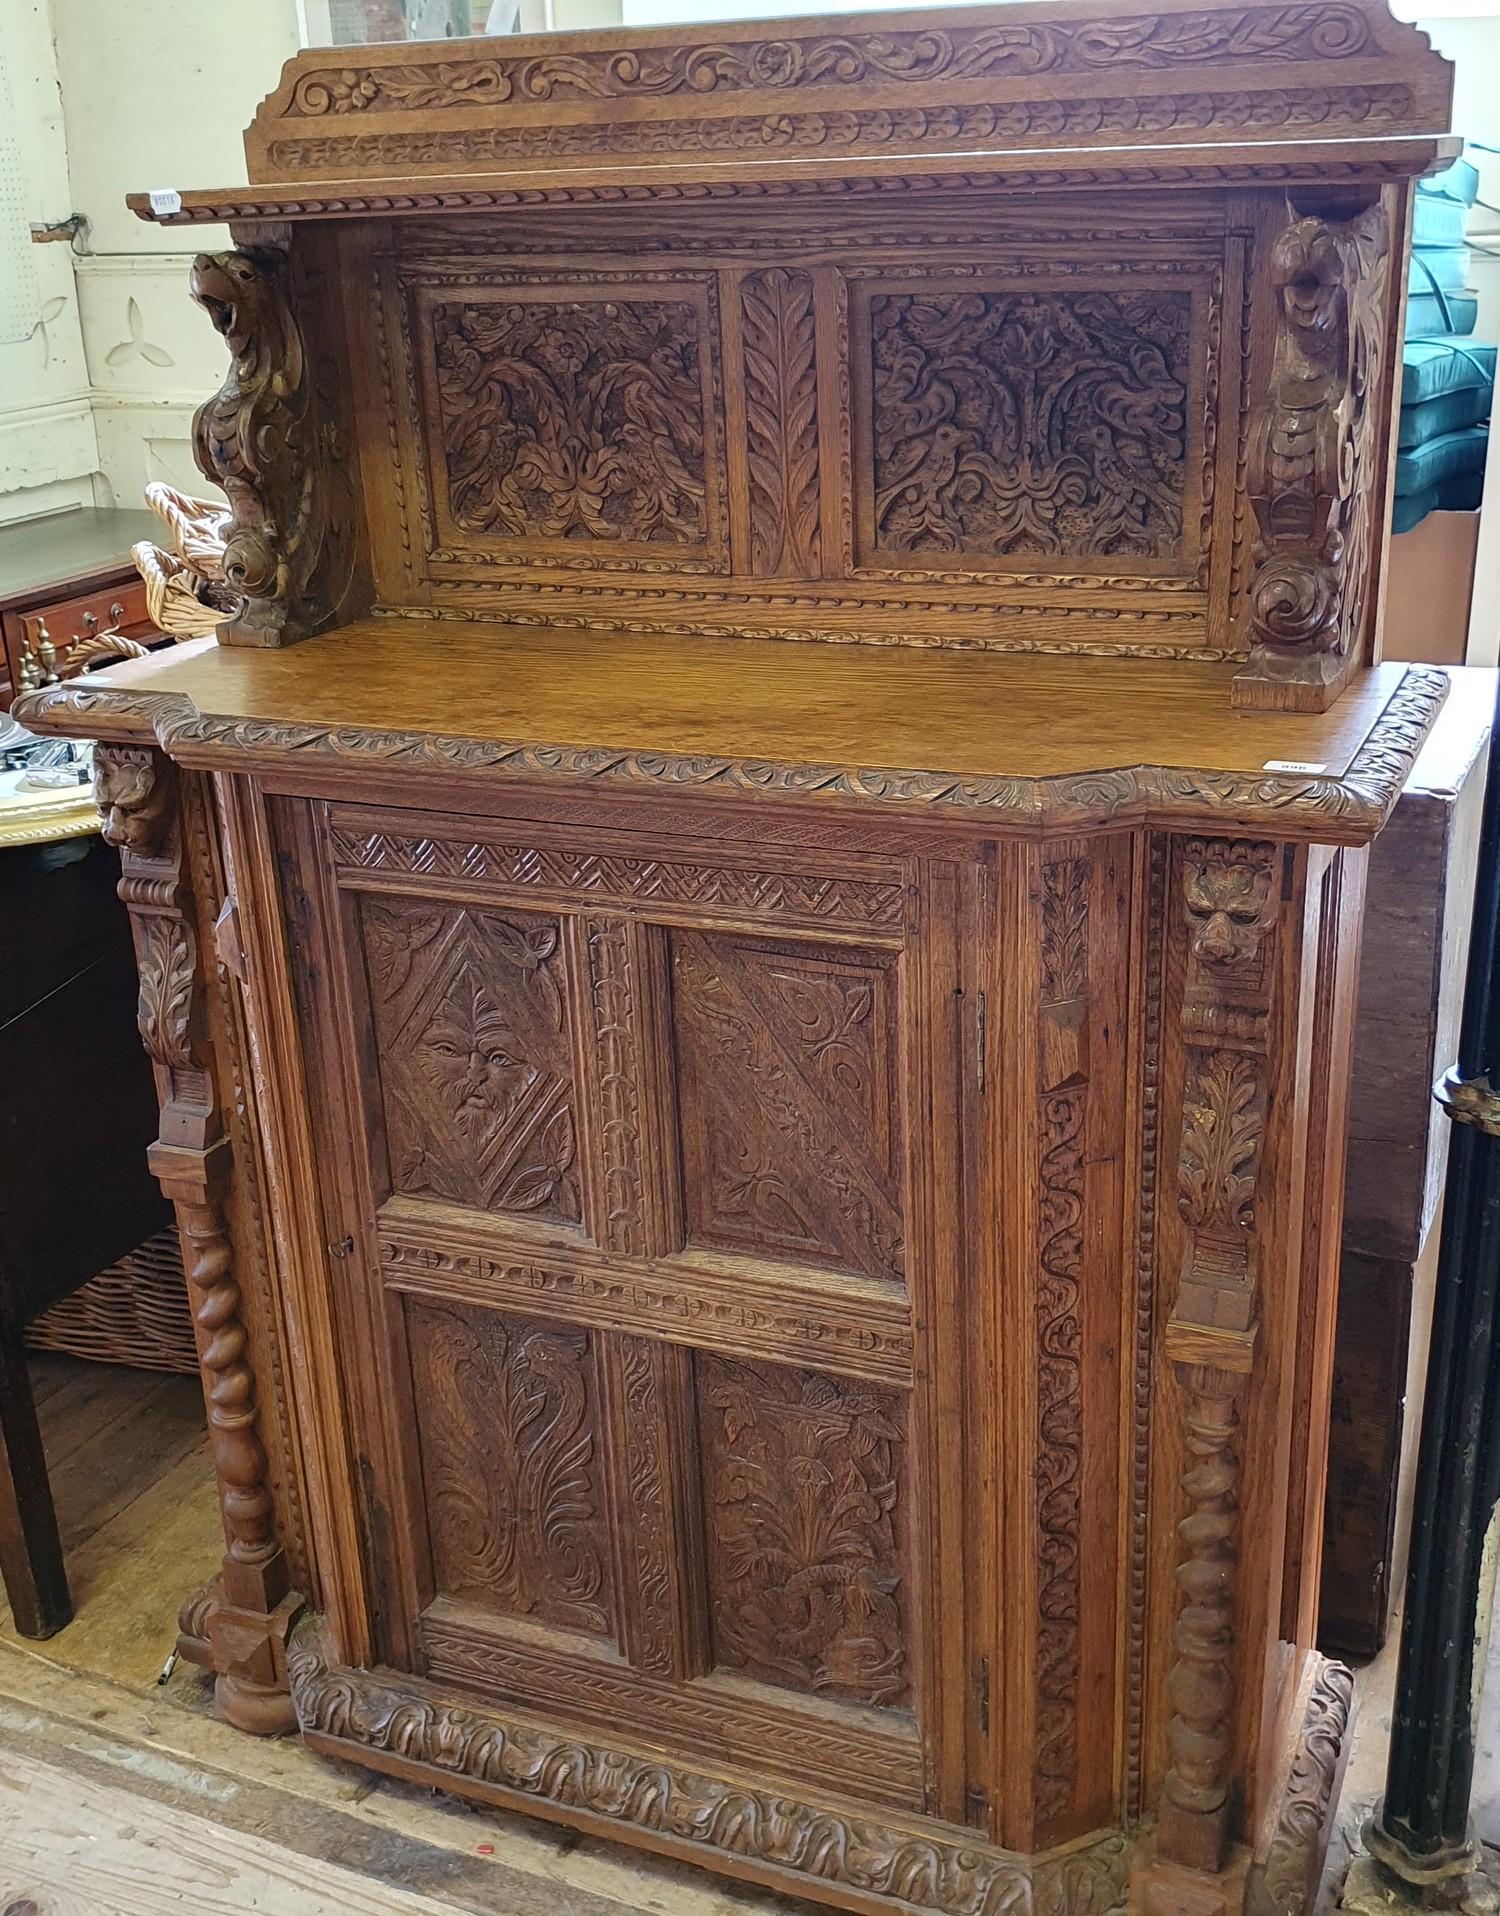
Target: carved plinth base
point(247, 1651)
point(407, 1728)
point(1273, 682)
point(1160, 1888)
point(1286, 1882)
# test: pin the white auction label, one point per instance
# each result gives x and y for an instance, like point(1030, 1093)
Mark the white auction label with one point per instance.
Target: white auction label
point(1294, 765)
point(164, 200)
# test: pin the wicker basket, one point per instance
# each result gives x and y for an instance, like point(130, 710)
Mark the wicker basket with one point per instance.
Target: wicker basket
point(135, 1313)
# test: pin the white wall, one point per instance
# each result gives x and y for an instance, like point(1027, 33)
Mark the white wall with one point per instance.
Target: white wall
point(48, 447)
point(113, 95)
point(155, 94)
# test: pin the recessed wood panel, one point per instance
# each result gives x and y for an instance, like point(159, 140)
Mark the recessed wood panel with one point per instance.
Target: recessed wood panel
point(1015, 423)
point(789, 1106)
point(803, 1480)
point(476, 1075)
point(507, 1426)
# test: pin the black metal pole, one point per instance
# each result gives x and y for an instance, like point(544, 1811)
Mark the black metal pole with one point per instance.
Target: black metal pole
point(1421, 1830)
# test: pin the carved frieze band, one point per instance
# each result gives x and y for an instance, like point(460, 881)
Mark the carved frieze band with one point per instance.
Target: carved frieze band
point(1337, 809)
point(864, 1336)
point(901, 56)
point(1063, 1114)
point(1230, 892)
point(859, 903)
point(912, 1865)
point(1315, 450)
point(261, 440)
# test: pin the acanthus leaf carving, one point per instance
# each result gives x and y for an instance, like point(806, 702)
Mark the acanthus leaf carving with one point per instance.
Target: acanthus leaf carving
point(1015, 423)
point(573, 419)
point(803, 1475)
point(261, 439)
point(878, 1856)
point(506, 1422)
point(166, 960)
point(778, 327)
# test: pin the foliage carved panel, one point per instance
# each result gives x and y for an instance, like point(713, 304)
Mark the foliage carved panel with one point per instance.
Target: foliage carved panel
point(578, 420)
point(476, 1072)
point(790, 1121)
point(1005, 424)
point(506, 1419)
point(803, 1480)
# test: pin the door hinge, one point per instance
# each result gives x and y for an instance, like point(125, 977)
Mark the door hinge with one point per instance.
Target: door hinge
point(981, 1012)
point(982, 1691)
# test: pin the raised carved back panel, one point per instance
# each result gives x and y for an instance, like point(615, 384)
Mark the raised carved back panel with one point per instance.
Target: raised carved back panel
point(886, 428)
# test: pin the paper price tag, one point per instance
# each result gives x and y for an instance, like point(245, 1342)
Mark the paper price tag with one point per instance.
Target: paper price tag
point(165, 200)
point(1294, 765)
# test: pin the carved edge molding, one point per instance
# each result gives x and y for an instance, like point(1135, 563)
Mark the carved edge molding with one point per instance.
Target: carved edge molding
point(1285, 1884)
point(1349, 809)
point(684, 1811)
point(1398, 161)
point(239, 1625)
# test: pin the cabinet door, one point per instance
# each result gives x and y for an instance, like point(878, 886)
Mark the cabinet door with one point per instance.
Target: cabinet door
point(647, 1162)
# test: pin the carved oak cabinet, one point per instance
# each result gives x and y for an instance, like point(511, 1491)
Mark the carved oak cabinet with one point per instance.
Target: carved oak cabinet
point(747, 940)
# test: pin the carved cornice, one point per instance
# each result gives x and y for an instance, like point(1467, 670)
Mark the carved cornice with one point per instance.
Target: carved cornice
point(279, 202)
point(1344, 810)
point(686, 1811)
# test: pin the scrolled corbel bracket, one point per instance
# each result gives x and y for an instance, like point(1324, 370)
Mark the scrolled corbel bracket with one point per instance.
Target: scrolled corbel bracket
point(261, 439)
point(1315, 457)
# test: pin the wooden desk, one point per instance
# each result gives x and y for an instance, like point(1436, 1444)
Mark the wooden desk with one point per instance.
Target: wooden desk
point(70, 575)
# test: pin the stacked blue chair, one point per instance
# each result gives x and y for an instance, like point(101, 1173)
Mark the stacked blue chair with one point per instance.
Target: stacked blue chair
point(1447, 376)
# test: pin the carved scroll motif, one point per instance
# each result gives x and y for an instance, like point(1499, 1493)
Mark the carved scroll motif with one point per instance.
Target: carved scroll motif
point(240, 1626)
point(1230, 896)
point(1008, 424)
point(261, 440)
point(1063, 1067)
point(910, 1864)
point(1315, 450)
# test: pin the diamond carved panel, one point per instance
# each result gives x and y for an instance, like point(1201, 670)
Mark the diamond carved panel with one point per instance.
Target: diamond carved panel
point(788, 1085)
point(476, 1070)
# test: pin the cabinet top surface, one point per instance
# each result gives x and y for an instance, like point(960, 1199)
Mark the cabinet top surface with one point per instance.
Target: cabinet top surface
point(1017, 740)
point(50, 553)
point(1038, 92)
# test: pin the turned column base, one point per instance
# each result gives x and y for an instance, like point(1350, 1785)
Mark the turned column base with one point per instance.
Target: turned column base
point(246, 1651)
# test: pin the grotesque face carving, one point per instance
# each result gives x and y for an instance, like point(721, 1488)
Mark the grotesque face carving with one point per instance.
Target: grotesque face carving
point(1227, 895)
point(132, 799)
